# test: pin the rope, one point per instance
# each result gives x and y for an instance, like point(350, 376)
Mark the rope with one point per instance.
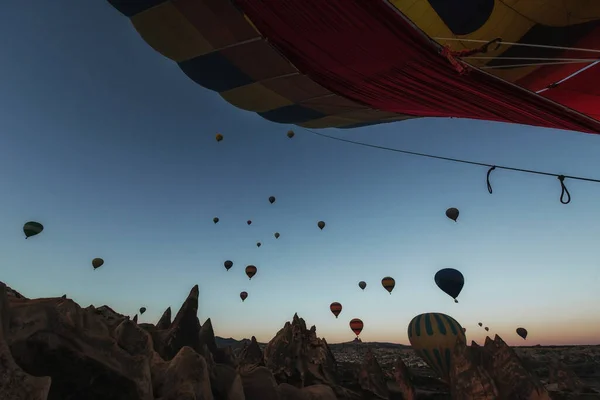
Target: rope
point(555, 84)
point(561, 178)
point(538, 64)
point(590, 60)
point(542, 46)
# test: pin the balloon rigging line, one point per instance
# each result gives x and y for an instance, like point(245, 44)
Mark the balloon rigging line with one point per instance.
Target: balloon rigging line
point(538, 64)
point(561, 178)
point(530, 58)
point(569, 77)
point(500, 43)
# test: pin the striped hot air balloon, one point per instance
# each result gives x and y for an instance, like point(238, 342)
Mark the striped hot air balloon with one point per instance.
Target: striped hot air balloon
point(433, 337)
point(336, 308)
point(357, 326)
point(388, 283)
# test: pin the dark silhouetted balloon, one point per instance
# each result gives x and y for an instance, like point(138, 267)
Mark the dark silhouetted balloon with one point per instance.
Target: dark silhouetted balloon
point(219, 137)
point(434, 336)
point(487, 329)
point(336, 308)
point(452, 213)
point(522, 332)
point(32, 228)
point(451, 281)
point(258, 244)
point(480, 324)
point(215, 220)
point(243, 295)
point(388, 283)
point(142, 310)
point(321, 225)
point(228, 264)
point(249, 222)
point(251, 271)
point(272, 199)
point(357, 326)
point(290, 134)
point(276, 235)
point(97, 263)
point(362, 285)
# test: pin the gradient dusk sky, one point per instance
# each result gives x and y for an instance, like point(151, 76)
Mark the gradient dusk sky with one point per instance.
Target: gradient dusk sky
point(111, 147)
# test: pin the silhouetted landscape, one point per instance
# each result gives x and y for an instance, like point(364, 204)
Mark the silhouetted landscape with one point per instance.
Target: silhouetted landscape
point(51, 348)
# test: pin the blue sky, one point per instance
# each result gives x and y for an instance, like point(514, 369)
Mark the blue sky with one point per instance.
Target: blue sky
point(111, 147)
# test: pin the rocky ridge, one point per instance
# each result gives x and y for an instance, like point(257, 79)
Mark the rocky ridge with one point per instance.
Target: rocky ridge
point(52, 348)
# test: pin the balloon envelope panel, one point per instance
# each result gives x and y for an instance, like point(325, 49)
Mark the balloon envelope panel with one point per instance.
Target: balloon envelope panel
point(556, 24)
point(433, 337)
point(219, 48)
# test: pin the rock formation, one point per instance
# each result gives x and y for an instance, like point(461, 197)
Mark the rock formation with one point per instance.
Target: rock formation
point(468, 379)
point(51, 348)
point(492, 372)
point(371, 378)
point(251, 354)
point(298, 357)
point(403, 379)
point(165, 321)
point(16, 384)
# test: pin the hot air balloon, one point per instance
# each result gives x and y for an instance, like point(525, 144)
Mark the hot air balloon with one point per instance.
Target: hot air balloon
point(276, 235)
point(32, 228)
point(452, 213)
point(388, 283)
point(97, 263)
point(294, 82)
point(272, 199)
point(487, 329)
point(522, 332)
point(219, 137)
point(243, 295)
point(480, 324)
point(251, 271)
point(321, 225)
point(258, 244)
point(357, 326)
point(249, 222)
point(451, 281)
point(142, 310)
point(290, 134)
point(228, 264)
point(336, 308)
point(215, 220)
point(362, 285)
point(433, 336)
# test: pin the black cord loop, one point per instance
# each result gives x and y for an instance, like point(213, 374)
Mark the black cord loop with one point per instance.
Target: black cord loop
point(489, 185)
point(561, 178)
point(564, 190)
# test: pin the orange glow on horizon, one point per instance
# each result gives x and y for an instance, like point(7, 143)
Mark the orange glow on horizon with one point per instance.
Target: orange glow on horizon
point(577, 331)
